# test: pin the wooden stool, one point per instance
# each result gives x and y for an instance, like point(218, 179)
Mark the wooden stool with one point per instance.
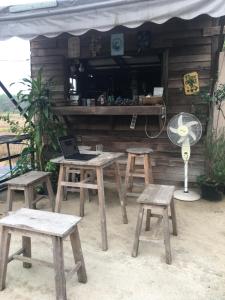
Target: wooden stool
point(160, 197)
point(29, 223)
point(134, 153)
point(27, 183)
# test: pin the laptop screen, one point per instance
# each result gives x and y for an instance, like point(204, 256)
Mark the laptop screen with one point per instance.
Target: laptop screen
point(68, 146)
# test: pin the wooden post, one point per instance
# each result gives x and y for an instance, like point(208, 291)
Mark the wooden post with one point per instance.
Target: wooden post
point(101, 199)
point(78, 255)
point(59, 194)
point(4, 253)
point(121, 193)
point(60, 281)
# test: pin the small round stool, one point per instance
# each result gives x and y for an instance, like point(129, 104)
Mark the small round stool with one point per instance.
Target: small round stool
point(134, 153)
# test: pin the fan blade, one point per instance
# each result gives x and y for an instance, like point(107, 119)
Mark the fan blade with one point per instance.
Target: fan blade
point(181, 140)
point(174, 130)
point(191, 133)
point(180, 121)
point(191, 123)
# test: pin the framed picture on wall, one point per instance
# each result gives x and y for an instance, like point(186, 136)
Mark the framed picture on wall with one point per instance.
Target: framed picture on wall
point(117, 44)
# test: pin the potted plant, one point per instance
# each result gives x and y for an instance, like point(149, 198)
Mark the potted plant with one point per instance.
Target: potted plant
point(41, 125)
point(212, 183)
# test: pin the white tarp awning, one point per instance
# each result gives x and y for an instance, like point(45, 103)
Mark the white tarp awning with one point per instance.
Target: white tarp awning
point(78, 16)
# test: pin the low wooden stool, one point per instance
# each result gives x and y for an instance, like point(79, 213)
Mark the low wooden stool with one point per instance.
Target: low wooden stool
point(134, 153)
point(27, 183)
point(29, 223)
point(160, 197)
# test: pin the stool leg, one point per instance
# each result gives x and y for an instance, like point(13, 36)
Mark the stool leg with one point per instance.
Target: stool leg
point(128, 170)
point(65, 188)
point(101, 199)
point(59, 195)
point(29, 197)
point(50, 193)
point(4, 253)
point(9, 200)
point(138, 231)
point(86, 191)
point(121, 193)
point(148, 220)
point(26, 244)
point(82, 194)
point(78, 255)
point(167, 235)
point(131, 178)
point(60, 281)
point(173, 217)
point(147, 169)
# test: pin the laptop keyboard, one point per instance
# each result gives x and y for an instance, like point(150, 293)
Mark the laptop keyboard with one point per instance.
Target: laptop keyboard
point(80, 156)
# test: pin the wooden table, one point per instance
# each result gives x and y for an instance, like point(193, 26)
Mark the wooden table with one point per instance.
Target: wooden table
point(103, 160)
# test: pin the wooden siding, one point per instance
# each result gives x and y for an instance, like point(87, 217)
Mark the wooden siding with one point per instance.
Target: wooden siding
point(190, 48)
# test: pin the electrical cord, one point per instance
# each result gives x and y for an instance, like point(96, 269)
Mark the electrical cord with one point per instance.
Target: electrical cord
point(160, 132)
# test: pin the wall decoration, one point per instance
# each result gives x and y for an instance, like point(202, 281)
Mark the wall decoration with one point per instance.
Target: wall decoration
point(143, 40)
point(191, 83)
point(117, 44)
point(95, 45)
point(74, 47)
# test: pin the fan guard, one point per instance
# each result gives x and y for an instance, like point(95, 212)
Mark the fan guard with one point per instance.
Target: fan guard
point(183, 119)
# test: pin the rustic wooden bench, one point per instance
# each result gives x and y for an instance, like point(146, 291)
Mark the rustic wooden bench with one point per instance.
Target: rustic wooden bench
point(27, 182)
point(29, 223)
point(158, 197)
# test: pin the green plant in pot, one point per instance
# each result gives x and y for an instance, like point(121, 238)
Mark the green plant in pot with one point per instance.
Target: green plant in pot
point(212, 183)
point(41, 125)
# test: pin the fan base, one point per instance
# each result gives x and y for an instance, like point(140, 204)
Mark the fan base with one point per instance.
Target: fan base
point(190, 196)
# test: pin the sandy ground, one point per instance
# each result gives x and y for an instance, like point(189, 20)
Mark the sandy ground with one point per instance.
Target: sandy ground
point(197, 271)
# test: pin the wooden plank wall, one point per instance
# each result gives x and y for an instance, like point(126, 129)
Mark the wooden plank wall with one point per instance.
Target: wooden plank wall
point(190, 49)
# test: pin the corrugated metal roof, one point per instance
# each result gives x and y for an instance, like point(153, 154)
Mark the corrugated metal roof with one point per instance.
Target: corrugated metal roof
point(78, 16)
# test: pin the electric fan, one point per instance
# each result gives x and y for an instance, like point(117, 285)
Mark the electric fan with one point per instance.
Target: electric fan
point(185, 130)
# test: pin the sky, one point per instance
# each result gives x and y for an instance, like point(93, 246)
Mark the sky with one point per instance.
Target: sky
point(14, 55)
point(14, 62)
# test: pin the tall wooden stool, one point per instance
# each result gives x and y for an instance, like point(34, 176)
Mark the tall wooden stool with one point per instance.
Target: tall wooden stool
point(158, 197)
point(29, 223)
point(27, 182)
point(134, 153)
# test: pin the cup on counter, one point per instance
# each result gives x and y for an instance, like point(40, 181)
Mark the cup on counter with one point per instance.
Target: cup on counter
point(84, 102)
point(88, 102)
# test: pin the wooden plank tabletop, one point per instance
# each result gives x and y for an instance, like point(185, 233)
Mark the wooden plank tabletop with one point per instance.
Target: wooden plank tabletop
point(103, 159)
point(43, 222)
point(157, 194)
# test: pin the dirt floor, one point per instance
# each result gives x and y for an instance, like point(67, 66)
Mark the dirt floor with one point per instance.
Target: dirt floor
point(197, 271)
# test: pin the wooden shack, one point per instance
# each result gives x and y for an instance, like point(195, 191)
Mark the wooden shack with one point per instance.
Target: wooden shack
point(109, 83)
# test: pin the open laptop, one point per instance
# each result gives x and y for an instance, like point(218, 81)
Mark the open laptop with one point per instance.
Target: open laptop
point(70, 150)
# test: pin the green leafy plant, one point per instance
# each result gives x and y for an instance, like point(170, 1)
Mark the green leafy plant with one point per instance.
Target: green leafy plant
point(212, 183)
point(41, 125)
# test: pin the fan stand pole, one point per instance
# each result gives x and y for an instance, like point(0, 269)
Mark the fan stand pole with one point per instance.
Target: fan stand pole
point(185, 194)
point(186, 176)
